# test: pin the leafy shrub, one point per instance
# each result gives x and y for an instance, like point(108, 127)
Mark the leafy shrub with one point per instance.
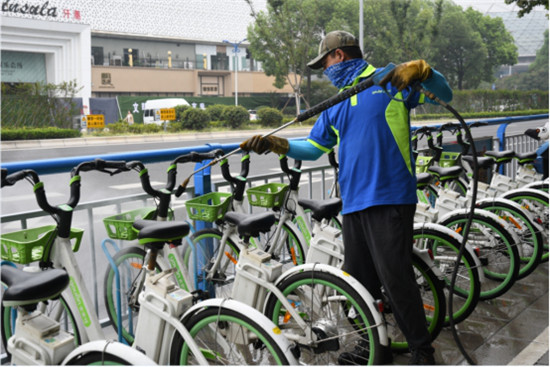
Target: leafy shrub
point(195, 119)
point(270, 116)
point(235, 116)
point(215, 111)
point(180, 110)
point(38, 133)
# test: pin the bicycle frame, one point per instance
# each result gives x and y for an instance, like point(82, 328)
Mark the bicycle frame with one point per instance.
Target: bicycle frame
point(253, 282)
point(76, 295)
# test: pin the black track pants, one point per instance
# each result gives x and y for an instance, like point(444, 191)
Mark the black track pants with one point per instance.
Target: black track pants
point(378, 248)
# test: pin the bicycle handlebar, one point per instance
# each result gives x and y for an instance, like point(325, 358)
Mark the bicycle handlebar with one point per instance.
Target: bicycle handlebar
point(332, 159)
point(294, 173)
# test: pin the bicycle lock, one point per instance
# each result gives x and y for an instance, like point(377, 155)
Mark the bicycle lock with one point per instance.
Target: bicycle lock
point(367, 83)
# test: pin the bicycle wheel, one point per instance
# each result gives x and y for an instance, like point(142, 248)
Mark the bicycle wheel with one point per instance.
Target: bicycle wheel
point(227, 337)
point(97, 358)
point(536, 203)
point(457, 185)
point(290, 249)
point(335, 311)
point(494, 246)
point(433, 300)
point(200, 258)
point(529, 233)
point(55, 309)
point(445, 248)
point(129, 263)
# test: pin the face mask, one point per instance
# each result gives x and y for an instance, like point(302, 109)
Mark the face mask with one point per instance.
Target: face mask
point(345, 72)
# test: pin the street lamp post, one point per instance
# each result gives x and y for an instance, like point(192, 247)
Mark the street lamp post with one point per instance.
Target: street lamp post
point(235, 62)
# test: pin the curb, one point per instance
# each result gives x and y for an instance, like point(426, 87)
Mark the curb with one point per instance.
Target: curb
point(533, 352)
point(135, 139)
point(167, 138)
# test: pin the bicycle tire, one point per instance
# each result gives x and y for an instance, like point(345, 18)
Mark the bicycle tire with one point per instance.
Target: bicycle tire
point(209, 325)
point(65, 318)
point(127, 260)
point(341, 309)
point(495, 247)
point(433, 300)
point(536, 202)
point(97, 358)
point(294, 249)
point(206, 244)
point(529, 233)
point(457, 185)
point(445, 249)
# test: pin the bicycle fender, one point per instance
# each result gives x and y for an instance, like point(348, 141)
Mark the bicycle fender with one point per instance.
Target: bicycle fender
point(525, 190)
point(252, 313)
point(456, 236)
point(513, 204)
point(485, 213)
point(360, 288)
point(129, 354)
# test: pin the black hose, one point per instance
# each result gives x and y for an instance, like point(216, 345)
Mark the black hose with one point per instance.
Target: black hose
point(467, 226)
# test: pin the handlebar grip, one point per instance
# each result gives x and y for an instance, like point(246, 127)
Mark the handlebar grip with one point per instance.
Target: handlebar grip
point(478, 124)
point(134, 164)
point(179, 191)
point(448, 126)
point(197, 157)
point(245, 166)
point(120, 165)
point(332, 159)
point(10, 180)
point(283, 162)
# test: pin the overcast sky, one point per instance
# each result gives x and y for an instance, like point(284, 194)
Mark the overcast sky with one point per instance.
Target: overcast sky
point(485, 6)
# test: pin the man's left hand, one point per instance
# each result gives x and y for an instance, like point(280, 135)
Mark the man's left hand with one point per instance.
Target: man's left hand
point(404, 74)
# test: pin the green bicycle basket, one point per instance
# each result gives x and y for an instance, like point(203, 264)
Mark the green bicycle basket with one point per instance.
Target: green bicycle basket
point(119, 227)
point(28, 245)
point(449, 159)
point(422, 163)
point(267, 196)
point(208, 207)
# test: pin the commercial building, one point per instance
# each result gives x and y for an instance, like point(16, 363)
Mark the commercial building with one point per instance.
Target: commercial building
point(126, 48)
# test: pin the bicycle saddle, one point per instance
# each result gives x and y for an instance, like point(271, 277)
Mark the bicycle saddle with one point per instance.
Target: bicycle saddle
point(499, 156)
point(483, 162)
point(423, 179)
point(445, 172)
point(27, 289)
point(322, 209)
point(156, 233)
point(526, 157)
point(251, 225)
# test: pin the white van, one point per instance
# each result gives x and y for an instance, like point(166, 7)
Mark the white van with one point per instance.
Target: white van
point(150, 108)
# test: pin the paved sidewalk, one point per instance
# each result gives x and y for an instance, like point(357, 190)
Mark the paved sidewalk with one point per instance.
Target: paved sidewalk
point(509, 330)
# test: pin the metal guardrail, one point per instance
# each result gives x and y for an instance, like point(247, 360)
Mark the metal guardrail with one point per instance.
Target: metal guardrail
point(518, 142)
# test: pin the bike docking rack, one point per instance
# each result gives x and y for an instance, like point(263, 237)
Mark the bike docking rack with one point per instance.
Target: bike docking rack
point(203, 184)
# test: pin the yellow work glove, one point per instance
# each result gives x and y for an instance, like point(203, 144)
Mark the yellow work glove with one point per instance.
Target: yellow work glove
point(404, 74)
point(261, 145)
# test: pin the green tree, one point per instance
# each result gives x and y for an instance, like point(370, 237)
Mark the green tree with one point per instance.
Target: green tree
point(282, 39)
point(39, 104)
point(527, 5)
point(460, 53)
point(501, 49)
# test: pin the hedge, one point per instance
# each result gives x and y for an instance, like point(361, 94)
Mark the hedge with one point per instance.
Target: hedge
point(38, 133)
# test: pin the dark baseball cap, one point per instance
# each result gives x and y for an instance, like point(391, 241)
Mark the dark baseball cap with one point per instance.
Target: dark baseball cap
point(332, 41)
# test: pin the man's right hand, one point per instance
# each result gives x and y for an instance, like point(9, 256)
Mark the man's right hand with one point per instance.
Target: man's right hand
point(260, 145)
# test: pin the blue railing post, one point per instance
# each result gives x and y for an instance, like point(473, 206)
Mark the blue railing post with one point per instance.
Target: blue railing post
point(203, 185)
point(501, 135)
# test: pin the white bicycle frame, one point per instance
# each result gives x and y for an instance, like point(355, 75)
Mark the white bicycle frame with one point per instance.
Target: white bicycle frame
point(253, 281)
